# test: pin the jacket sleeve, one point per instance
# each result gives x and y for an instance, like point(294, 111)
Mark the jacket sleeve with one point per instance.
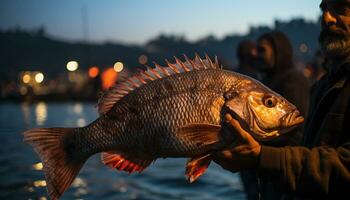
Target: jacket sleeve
point(319, 171)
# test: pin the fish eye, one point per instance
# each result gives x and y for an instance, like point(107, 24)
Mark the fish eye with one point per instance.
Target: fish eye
point(269, 101)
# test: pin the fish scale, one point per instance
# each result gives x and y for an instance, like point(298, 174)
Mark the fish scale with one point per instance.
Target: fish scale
point(183, 112)
point(161, 108)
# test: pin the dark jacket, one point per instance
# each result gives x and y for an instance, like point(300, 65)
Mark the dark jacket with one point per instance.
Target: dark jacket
point(320, 168)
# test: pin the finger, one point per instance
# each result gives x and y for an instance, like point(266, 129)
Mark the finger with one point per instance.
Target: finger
point(225, 154)
point(228, 117)
point(239, 131)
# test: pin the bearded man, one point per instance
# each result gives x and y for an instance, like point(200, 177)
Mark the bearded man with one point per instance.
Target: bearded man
point(320, 167)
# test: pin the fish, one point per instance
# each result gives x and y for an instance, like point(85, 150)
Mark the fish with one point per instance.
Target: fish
point(175, 110)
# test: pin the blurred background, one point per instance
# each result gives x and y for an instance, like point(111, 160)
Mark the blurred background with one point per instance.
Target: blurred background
point(56, 57)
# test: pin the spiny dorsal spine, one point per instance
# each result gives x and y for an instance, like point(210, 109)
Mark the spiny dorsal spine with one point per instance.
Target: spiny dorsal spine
point(118, 91)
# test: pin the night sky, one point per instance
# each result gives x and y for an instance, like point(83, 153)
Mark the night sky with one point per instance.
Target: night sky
point(136, 21)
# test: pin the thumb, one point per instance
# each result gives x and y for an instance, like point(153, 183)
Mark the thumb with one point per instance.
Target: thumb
point(239, 132)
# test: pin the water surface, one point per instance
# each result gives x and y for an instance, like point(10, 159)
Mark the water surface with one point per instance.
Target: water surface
point(21, 177)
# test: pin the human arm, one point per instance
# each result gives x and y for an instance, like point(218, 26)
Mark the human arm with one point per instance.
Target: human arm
point(319, 171)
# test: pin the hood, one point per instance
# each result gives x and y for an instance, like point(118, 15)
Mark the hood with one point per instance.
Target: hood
point(282, 48)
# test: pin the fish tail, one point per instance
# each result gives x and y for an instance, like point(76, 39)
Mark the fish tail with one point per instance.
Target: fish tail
point(58, 164)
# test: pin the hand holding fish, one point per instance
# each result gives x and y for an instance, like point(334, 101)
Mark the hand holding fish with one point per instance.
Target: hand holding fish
point(243, 154)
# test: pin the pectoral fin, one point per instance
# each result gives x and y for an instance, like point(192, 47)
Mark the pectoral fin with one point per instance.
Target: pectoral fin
point(202, 134)
point(196, 167)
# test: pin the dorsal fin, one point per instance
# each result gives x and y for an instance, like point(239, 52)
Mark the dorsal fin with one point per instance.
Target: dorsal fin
point(181, 64)
point(142, 77)
point(172, 66)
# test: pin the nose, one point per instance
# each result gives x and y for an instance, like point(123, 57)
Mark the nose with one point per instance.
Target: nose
point(328, 18)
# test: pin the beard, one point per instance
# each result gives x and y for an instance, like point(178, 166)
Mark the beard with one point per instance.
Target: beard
point(335, 43)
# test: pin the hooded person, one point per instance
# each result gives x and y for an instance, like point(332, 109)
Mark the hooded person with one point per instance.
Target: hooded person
point(246, 55)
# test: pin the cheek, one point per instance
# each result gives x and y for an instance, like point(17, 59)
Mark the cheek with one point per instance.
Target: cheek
point(271, 118)
point(346, 21)
point(271, 58)
point(268, 116)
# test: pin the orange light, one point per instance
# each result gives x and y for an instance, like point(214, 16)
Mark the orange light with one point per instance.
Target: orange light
point(26, 78)
point(93, 72)
point(109, 77)
point(143, 59)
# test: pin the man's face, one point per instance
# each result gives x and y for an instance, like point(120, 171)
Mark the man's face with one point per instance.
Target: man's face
point(265, 55)
point(335, 30)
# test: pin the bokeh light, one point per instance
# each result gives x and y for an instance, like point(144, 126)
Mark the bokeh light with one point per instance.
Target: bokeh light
point(23, 90)
point(26, 78)
point(303, 48)
point(72, 66)
point(109, 77)
point(39, 77)
point(118, 66)
point(143, 59)
point(93, 72)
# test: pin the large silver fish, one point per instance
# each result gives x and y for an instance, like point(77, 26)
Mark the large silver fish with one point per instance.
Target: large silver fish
point(173, 111)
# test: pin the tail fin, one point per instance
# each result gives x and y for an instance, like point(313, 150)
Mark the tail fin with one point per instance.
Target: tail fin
point(59, 167)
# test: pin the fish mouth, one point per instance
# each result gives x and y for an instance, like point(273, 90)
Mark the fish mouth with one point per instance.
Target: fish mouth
point(292, 119)
point(288, 122)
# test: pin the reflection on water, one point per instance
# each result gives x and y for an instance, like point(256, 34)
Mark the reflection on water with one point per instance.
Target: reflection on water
point(38, 166)
point(26, 112)
point(40, 113)
point(39, 183)
point(78, 108)
point(22, 169)
point(81, 122)
point(81, 186)
point(30, 189)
